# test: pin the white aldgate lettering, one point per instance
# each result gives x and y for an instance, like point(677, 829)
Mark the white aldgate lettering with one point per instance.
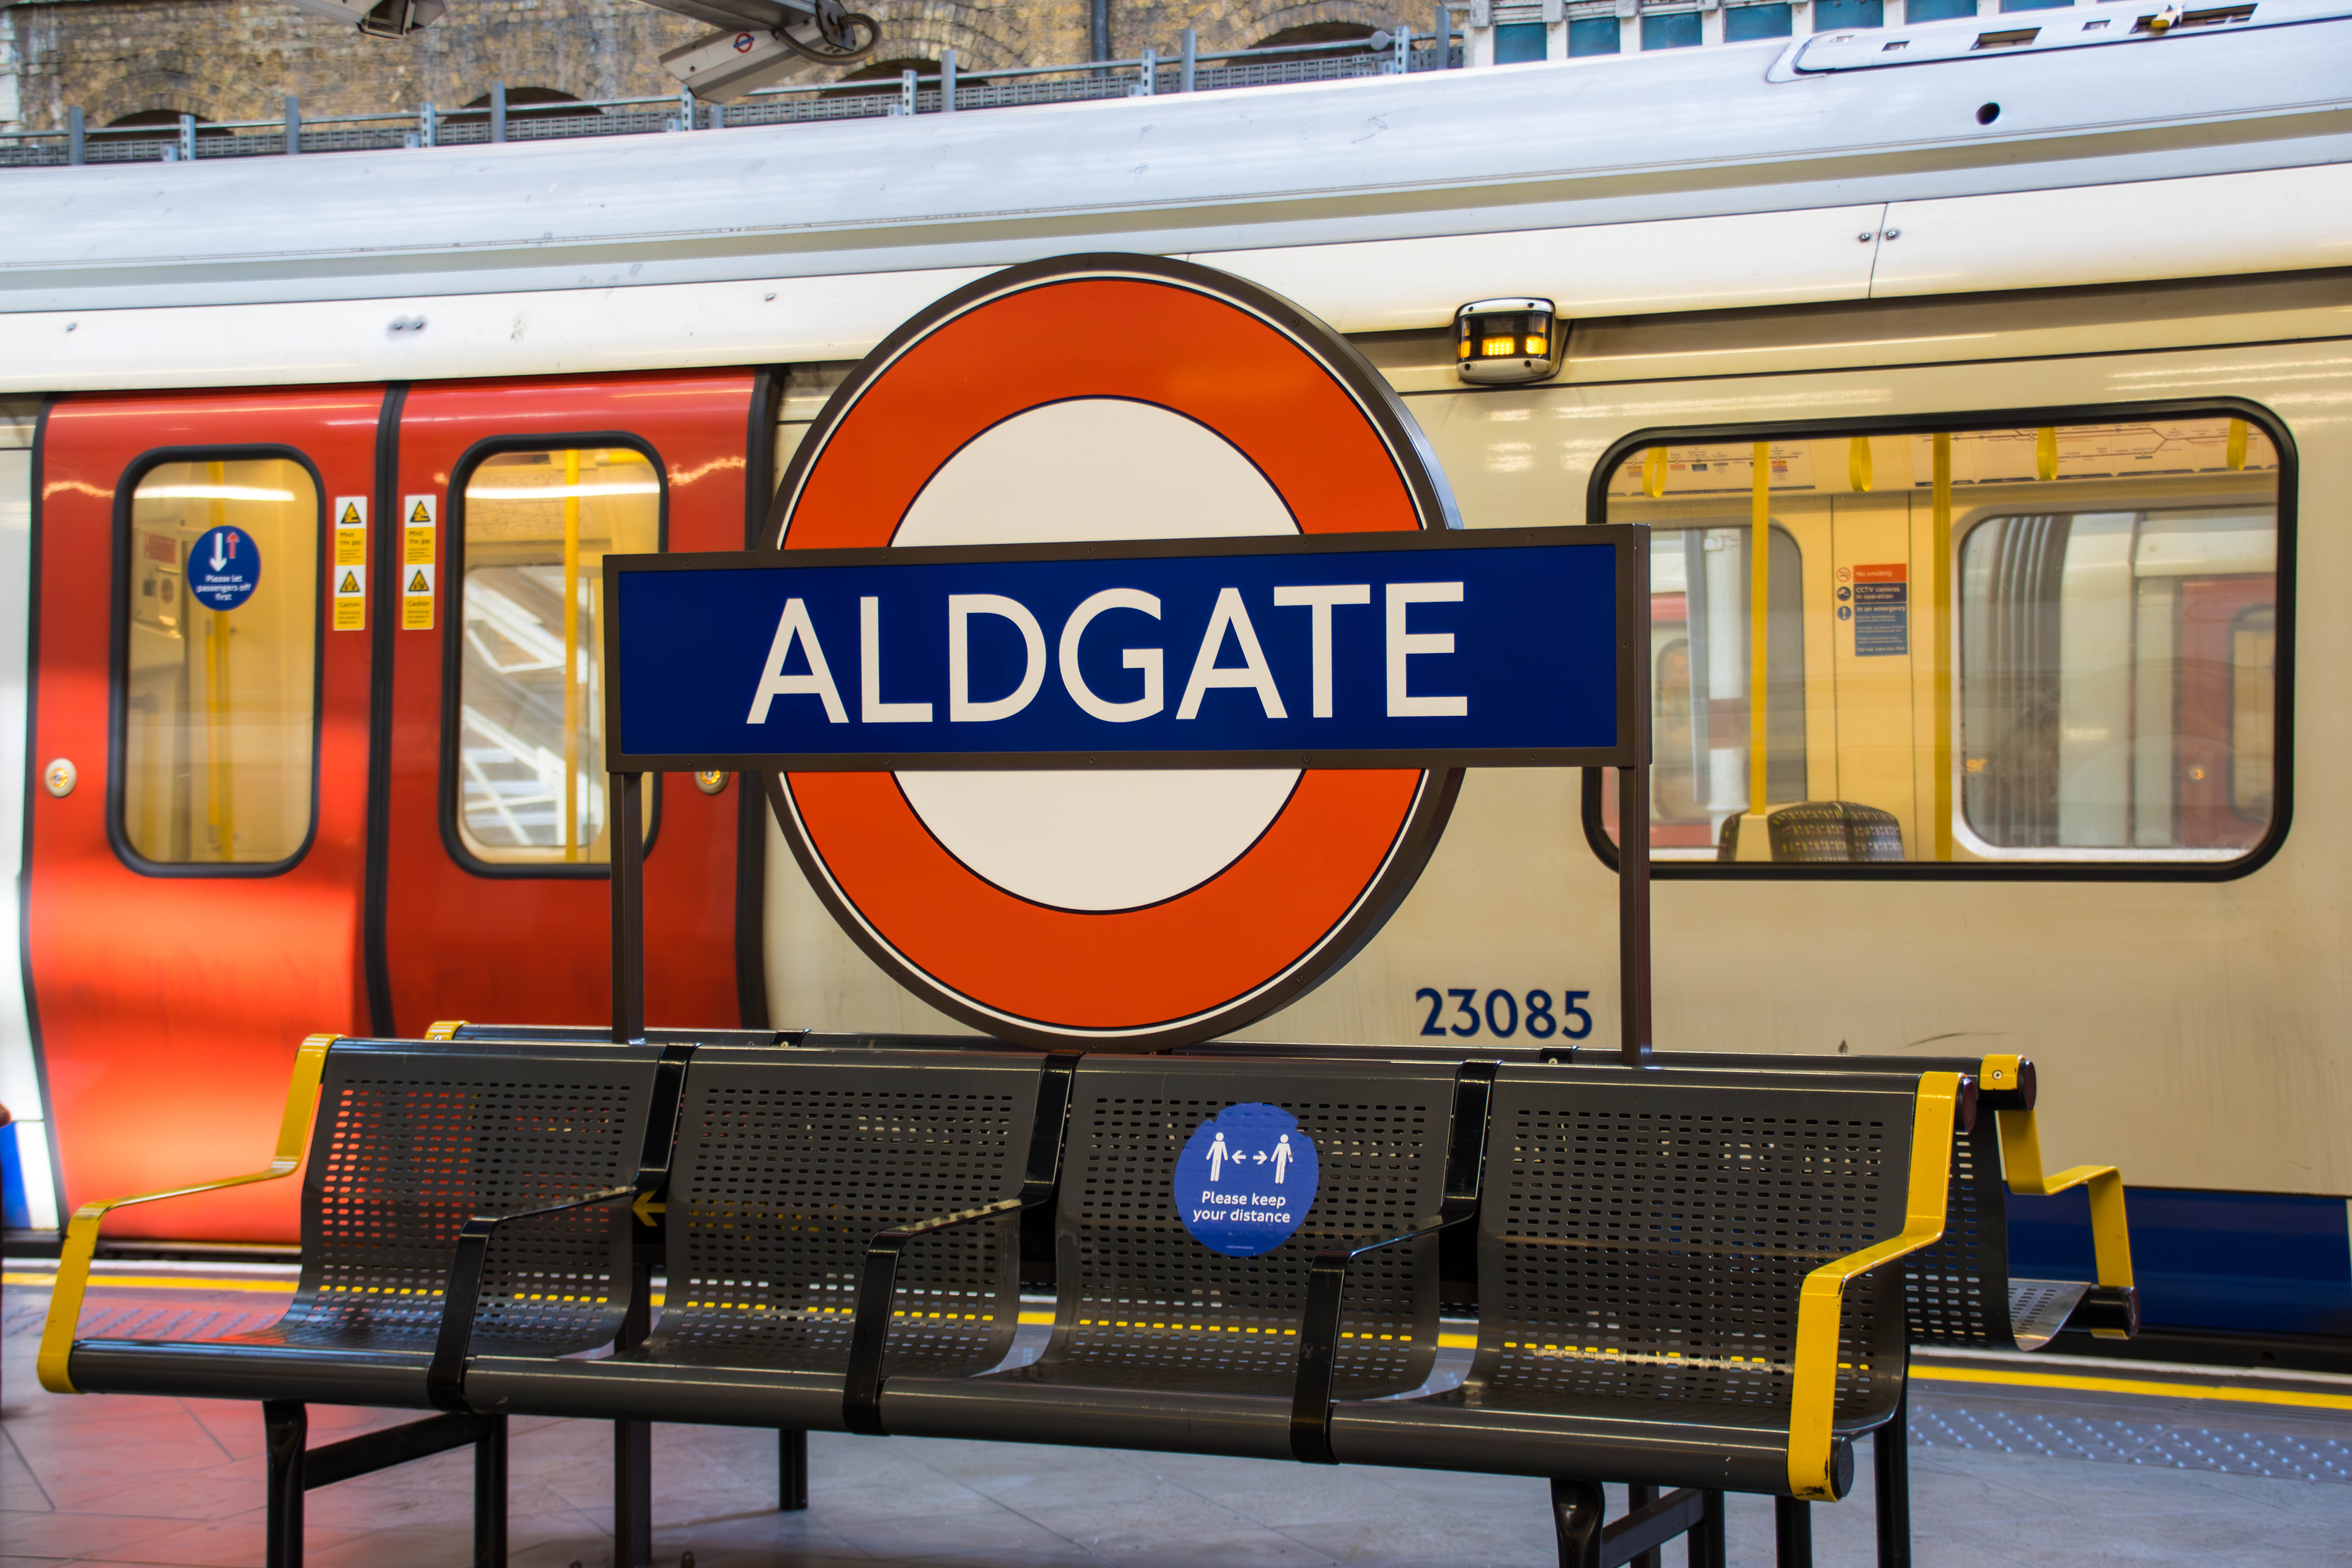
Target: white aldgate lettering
point(1253, 675)
point(1403, 645)
point(962, 607)
point(793, 627)
point(1319, 601)
point(1146, 659)
point(871, 708)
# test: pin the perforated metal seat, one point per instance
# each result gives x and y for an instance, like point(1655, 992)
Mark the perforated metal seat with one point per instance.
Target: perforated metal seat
point(1642, 1241)
point(788, 1164)
point(411, 1140)
point(1160, 1343)
point(1959, 1291)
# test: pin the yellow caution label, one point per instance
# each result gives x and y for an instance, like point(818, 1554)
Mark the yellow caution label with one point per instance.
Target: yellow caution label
point(351, 547)
point(416, 546)
point(416, 598)
point(351, 511)
point(420, 511)
point(350, 581)
point(422, 514)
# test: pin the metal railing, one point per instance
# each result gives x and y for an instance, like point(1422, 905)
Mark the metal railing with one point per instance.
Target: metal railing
point(947, 90)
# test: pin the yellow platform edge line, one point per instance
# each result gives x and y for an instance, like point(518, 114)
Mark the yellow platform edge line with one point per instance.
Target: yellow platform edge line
point(153, 1282)
point(2133, 1385)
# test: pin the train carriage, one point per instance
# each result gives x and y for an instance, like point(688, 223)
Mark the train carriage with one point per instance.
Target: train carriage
point(2024, 355)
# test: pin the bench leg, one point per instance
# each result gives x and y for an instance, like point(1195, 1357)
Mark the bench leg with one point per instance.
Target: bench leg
point(286, 1431)
point(632, 1494)
point(1578, 1511)
point(1792, 1532)
point(491, 1494)
point(1890, 1454)
point(1639, 1495)
point(1705, 1541)
point(792, 1471)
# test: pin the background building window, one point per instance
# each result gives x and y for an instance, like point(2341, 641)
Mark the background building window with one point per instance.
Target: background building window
point(1741, 22)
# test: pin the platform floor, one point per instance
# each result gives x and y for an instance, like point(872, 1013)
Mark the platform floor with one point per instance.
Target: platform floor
point(2004, 1472)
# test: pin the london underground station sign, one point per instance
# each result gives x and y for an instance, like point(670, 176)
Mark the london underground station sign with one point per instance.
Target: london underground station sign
point(1119, 652)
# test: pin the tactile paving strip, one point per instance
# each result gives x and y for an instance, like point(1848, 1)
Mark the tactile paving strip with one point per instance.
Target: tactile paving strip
point(2133, 1442)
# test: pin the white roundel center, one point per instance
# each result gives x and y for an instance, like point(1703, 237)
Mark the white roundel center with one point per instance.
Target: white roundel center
point(1096, 467)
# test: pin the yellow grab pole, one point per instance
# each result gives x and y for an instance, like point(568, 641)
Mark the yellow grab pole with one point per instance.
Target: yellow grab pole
point(220, 813)
point(1857, 464)
point(1940, 631)
point(2233, 451)
point(572, 656)
point(1759, 625)
point(2045, 452)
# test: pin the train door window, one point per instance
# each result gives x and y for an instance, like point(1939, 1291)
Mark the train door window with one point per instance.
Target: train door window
point(529, 740)
point(219, 688)
point(2047, 646)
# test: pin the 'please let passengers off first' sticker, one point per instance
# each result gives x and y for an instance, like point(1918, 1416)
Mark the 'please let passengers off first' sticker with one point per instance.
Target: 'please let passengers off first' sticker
point(1245, 1179)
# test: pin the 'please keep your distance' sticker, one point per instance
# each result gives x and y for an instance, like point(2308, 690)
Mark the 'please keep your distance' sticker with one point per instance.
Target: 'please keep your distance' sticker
point(1245, 1179)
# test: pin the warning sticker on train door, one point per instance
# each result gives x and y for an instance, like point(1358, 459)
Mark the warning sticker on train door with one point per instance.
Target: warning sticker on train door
point(418, 517)
point(1882, 610)
point(416, 598)
point(350, 567)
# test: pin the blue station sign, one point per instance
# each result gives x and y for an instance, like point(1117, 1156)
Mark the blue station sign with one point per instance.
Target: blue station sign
point(1497, 647)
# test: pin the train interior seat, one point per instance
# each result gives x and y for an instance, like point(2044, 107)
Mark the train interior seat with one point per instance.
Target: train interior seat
point(1822, 831)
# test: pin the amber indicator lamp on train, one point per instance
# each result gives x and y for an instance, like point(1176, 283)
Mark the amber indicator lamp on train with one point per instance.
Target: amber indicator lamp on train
point(1500, 342)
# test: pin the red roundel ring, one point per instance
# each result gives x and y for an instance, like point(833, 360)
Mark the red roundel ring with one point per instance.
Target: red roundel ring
point(1091, 397)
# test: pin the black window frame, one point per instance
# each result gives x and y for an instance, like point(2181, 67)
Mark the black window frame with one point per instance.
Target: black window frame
point(2255, 857)
point(453, 642)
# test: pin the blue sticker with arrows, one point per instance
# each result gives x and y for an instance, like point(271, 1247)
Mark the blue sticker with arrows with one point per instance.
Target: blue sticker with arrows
point(1245, 1179)
point(223, 568)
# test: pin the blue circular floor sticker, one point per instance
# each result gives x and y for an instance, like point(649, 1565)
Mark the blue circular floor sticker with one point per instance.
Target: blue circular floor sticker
point(1245, 1179)
point(223, 568)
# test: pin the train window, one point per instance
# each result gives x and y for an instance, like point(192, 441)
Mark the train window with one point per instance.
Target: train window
point(530, 696)
point(220, 667)
point(1700, 584)
point(2029, 647)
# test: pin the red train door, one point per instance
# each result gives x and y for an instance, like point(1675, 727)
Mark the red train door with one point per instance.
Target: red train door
point(496, 891)
point(197, 863)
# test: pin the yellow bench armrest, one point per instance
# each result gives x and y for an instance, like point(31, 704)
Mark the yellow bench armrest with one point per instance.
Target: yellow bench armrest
point(1813, 1403)
point(81, 1232)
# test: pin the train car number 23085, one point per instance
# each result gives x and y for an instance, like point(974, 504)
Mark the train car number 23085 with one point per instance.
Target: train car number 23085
point(1504, 1013)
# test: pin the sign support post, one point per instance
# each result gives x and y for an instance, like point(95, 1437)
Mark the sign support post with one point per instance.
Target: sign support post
point(1633, 816)
point(1634, 908)
point(624, 800)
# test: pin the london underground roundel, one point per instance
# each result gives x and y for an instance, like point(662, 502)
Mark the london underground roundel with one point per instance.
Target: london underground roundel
point(1110, 397)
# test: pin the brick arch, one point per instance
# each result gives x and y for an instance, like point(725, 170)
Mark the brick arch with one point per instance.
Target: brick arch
point(982, 35)
point(1262, 22)
point(169, 88)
